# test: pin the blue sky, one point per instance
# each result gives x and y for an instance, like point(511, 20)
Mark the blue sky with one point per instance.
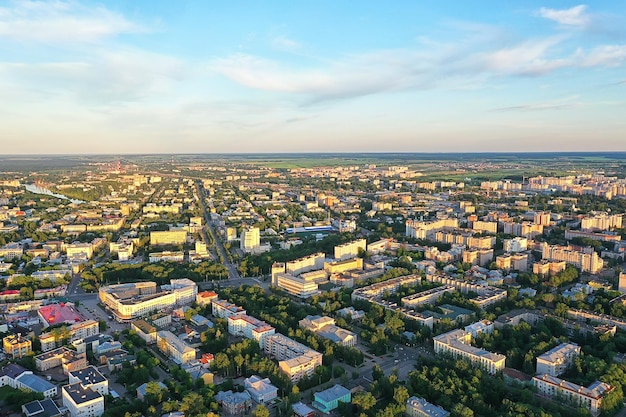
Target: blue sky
point(311, 76)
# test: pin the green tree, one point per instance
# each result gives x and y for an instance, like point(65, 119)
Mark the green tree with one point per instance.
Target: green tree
point(261, 411)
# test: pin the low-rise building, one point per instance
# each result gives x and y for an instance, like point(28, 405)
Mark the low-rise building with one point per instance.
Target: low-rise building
point(18, 377)
point(294, 359)
point(69, 359)
point(249, 327)
point(329, 399)
point(234, 403)
point(81, 401)
point(260, 389)
point(90, 377)
point(224, 309)
point(326, 328)
point(419, 407)
point(176, 349)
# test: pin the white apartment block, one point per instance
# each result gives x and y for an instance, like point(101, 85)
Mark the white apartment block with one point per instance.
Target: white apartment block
point(587, 261)
point(601, 222)
point(557, 360)
point(250, 239)
point(457, 344)
point(294, 359)
point(482, 326)
point(350, 250)
point(517, 244)
point(305, 264)
point(299, 286)
point(419, 229)
point(176, 349)
point(224, 309)
point(249, 327)
point(589, 398)
point(81, 401)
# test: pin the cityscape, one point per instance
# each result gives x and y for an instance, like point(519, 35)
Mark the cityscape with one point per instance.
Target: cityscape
point(312, 209)
point(313, 285)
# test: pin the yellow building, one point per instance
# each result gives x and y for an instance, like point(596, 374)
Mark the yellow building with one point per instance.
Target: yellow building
point(169, 237)
point(16, 346)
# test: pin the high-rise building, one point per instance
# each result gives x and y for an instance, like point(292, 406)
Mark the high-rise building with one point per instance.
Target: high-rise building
point(250, 239)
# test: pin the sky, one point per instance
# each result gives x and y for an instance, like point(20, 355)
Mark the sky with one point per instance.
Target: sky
point(208, 76)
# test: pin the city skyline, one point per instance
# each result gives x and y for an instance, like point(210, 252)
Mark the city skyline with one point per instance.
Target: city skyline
point(159, 77)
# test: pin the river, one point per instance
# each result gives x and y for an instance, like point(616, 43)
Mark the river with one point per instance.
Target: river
point(38, 190)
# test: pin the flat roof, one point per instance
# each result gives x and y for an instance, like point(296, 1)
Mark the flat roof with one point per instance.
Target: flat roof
point(79, 394)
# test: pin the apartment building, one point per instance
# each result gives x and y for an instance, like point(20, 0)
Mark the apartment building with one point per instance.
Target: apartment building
point(338, 267)
point(302, 286)
point(457, 343)
point(90, 377)
point(81, 401)
point(558, 359)
point(250, 239)
point(426, 297)
point(516, 261)
point(589, 397)
point(545, 267)
point(294, 359)
point(17, 346)
point(482, 257)
point(249, 327)
point(76, 331)
point(224, 309)
point(308, 263)
point(350, 250)
point(205, 298)
point(326, 328)
point(69, 359)
point(525, 229)
point(587, 260)
point(168, 237)
point(489, 227)
point(176, 349)
point(419, 407)
point(419, 229)
point(517, 244)
point(602, 221)
point(487, 295)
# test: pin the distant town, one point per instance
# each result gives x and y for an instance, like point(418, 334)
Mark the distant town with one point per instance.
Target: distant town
point(313, 285)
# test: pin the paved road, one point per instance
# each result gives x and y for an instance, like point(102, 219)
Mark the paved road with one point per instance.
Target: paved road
point(232, 268)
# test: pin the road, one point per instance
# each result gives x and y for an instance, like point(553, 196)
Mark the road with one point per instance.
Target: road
point(232, 268)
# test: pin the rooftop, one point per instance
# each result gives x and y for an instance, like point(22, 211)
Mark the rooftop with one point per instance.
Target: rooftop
point(79, 394)
point(88, 376)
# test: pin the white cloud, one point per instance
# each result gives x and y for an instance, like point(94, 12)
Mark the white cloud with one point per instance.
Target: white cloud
point(527, 58)
point(575, 16)
point(284, 43)
point(61, 21)
point(603, 56)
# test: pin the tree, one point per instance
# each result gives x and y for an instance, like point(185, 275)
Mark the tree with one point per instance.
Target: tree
point(261, 411)
point(193, 404)
point(364, 400)
point(400, 395)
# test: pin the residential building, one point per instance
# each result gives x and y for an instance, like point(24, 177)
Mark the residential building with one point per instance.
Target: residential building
point(141, 390)
point(326, 328)
point(419, 229)
point(419, 407)
point(69, 359)
point(589, 398)
point(90, 377)
point(517, 244)
point(602, 221)
point(176, 349)
point(168, 237)
point(426, 297)
point(482, 257)
point(250, 239)
point(260, 389)
point(224, 309)
point(249, 327)
point(205, 298)
point(557, 360)
point(167, 256)
point(302, 286)
point(234, 403)
point(489, 227)
point(622, 282)
point(17, 346)
point(546, 268)
point(308, 263)
point(350, 250)
point(302, 410)
point(52, 314)
point(329, 399)
point(294, 359)
point(482, 326)
point(350, 312)
point(81, 401)
point(76, 331)
point(457, 344)
point(587, 260)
